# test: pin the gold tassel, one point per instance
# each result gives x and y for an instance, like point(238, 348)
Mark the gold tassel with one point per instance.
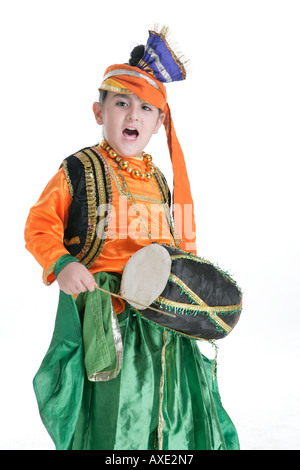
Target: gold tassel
point(164, 32)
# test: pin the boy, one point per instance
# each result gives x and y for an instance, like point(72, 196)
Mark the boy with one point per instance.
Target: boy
point(128, 125)
point(111, 380)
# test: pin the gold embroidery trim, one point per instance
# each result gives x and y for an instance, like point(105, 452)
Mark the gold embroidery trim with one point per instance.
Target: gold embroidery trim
point(72, 241)
point(176, 59)
point(196, 308)
point(115, 178)
point(162, 185)
point(91, 202)
point(67, 176)
point(146, 67)
point(122, 192)
point(115, 89)
point(139, 197)
point(145, 198)
point(100, 228)
point(47, 273)
point(211, 311)
point(86, 156)
point(186, 289)
point(199, 260)
point(161, 392)
point(201, 305)
point(190, 256)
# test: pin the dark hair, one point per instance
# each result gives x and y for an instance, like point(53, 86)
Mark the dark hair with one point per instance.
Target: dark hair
point(102, 96)
point(136, 55)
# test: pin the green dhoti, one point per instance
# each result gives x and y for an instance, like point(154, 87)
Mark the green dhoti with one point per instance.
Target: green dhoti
point(151, 388)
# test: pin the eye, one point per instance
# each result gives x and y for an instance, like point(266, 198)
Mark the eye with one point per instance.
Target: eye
point(145, 107)
point(121, 103)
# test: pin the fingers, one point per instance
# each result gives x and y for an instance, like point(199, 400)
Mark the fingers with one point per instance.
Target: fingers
point(75, 278)
point(88, 283)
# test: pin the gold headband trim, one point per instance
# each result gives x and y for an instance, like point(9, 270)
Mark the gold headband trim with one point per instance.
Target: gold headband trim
point(131, 73)
point(112, 85)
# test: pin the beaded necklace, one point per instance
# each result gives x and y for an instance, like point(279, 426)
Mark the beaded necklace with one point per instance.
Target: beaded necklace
point(136, 174)
point(125, 165)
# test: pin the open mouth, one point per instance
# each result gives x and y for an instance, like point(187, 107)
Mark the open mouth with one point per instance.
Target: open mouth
point(130, 133)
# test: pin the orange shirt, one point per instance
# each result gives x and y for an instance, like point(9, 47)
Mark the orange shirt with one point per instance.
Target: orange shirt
point(138, 217)
point(45, 225)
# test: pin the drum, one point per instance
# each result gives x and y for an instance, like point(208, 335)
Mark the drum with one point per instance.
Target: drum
point(181, 292)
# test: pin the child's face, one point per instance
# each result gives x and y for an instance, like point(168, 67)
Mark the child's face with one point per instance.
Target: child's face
point(128, 122)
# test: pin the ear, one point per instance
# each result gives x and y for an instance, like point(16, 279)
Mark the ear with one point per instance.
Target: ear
point(160, 120)
point(98, 112)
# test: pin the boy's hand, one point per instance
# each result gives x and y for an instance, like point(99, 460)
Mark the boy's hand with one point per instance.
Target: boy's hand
point(75, 278)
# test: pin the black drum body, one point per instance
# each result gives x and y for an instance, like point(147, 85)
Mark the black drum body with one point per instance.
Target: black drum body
point(199, 300)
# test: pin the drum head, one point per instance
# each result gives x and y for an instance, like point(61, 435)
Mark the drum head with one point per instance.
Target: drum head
point(145, 275)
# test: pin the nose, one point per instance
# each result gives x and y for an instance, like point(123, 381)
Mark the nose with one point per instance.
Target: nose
point(133, 114)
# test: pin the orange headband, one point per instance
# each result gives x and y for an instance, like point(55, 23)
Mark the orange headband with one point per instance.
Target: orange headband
point(138, 82)
point(148, 88)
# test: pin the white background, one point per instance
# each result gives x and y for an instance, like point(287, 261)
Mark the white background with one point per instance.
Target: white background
point(237, 117)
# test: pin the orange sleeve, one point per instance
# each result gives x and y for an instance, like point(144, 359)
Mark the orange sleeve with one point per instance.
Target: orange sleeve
point(45, 225)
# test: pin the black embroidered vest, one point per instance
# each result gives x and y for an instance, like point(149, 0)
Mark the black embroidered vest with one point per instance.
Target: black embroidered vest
point(90, 187)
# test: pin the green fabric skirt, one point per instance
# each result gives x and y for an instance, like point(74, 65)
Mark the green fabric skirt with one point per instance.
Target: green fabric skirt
point(164, 397)
point(162, 394)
